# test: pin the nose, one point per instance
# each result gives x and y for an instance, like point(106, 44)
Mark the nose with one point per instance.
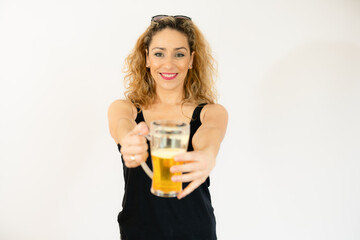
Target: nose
point(168, 63)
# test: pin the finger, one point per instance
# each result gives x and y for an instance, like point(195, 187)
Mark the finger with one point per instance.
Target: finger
point(135, 160)
point(187, 167)
point(144, 157)
point(132, 164)
point(129, 162)
point(140, 129)
point(188, 177)
point(135, 149)
point(189, 189)
point(134, 140)
point(187, 156)
point(136, 157)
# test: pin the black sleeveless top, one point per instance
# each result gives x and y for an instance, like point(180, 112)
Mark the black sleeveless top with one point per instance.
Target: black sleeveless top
point(146, 216)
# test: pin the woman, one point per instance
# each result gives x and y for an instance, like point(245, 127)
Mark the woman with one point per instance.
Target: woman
point(169, 76)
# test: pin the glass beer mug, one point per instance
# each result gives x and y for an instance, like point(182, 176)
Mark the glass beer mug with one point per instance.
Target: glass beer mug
point(167, 139)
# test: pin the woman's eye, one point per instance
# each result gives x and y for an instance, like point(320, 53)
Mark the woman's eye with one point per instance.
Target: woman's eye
point(159, 54)
point(179, 55)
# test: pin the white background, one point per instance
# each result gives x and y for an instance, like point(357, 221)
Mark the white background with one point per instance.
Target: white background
point(289, 76)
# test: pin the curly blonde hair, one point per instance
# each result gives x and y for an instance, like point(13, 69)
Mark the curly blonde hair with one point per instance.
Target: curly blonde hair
point(199, 84)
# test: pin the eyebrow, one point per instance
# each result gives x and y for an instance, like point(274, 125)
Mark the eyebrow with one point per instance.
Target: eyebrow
point(176, 49)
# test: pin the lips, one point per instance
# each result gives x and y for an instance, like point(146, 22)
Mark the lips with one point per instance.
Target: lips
point(168, 76)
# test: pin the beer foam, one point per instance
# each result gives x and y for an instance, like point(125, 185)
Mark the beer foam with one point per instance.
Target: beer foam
point(167, 152)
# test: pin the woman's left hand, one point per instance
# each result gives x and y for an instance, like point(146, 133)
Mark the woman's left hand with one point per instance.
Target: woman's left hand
point(196, 169)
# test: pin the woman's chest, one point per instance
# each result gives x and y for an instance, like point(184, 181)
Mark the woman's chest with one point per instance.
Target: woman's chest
point(183, 114)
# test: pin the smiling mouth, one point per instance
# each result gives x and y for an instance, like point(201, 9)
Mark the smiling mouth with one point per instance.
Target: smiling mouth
point(168, 76)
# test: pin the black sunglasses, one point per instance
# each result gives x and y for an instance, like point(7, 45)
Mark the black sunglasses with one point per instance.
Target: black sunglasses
point(159, 17)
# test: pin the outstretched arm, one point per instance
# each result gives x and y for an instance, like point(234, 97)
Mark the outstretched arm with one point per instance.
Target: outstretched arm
point(206, 142)
point(124, 130)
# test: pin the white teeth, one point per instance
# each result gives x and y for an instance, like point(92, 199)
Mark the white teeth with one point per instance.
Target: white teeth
point(168, 75)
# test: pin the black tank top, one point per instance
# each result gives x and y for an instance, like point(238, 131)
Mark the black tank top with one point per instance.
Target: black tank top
point(145, 216)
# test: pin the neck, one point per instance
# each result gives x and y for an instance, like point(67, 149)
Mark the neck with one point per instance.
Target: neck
point(169, 97)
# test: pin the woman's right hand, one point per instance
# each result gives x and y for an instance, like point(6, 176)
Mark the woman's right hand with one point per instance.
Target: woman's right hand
point(134, 148)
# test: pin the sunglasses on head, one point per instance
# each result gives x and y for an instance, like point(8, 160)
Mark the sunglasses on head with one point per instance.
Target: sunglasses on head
point(159, 17)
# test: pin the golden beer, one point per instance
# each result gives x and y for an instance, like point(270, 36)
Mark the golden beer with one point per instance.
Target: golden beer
point(162, 161)
point(167, 139)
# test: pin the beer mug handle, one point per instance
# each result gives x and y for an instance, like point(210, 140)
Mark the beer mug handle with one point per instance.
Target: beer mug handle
point(144, 166)
point(146, 169)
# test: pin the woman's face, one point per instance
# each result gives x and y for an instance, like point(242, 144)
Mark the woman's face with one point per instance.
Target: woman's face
point(169, 59)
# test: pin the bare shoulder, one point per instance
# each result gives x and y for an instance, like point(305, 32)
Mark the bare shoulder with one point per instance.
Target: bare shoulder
point(121, 103)
point(122, 109)
point(214, 111)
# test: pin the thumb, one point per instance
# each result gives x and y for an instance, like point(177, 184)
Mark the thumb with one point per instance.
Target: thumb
point(141, 129)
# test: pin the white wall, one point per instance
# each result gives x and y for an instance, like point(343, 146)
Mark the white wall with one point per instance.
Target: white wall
point(289, 167)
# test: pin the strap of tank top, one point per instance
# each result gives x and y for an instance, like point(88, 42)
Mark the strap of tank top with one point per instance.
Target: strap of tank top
point(196, 113)
point(139, 116)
